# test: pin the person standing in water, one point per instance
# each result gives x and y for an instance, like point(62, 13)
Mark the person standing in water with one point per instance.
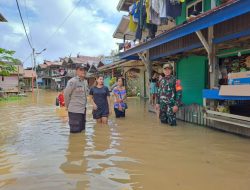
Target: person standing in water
point(120, 97)
point(61, 99)
point(75, 96)
point(168, 96)
point(100, 97)
point(153, 88)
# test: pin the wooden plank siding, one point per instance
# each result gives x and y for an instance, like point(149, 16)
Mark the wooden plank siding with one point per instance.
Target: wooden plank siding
point(229, 27)
point(176, 45)
point(9, 83)
point(232, 26)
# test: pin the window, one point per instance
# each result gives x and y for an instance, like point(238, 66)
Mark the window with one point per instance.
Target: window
point(195, 8)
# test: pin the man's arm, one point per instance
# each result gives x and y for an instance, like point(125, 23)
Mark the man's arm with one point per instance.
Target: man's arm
point(67, 92)
point(178, 93)
point(87, 87)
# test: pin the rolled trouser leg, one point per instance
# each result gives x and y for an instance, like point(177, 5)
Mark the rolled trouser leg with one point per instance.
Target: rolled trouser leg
point(75, 122)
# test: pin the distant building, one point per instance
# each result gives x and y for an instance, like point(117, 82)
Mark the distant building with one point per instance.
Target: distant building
point(50, 74)
point(28, 76)
point(92, 63)
point(10, 84)
point(109, 59)
point(55, 74)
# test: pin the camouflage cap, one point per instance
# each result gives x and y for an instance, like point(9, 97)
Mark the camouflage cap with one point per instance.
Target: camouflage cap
point(167, 65)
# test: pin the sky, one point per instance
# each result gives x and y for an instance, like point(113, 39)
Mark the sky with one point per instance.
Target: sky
point(88, 31)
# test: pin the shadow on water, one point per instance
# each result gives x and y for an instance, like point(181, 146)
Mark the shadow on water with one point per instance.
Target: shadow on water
point(37, 151)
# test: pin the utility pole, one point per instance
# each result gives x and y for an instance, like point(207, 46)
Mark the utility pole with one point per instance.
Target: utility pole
point(34, 57)
point(34, 67)
point(33, 54)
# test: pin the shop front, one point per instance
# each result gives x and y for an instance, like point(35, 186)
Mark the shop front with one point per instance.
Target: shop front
point(132, 71)
point(232, 98)
point(195, 48)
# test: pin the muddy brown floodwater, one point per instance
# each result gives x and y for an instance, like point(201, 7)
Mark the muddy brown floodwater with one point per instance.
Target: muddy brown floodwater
point(38, 153)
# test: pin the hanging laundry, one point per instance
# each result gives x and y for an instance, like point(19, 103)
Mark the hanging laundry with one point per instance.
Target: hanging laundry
point(143, 15)
point(154, 11)
point(132, 25)
point(162, 9)
point(173, 8)
point(155, 5)
point(136, 15)
point(148, 5)
point(152, 29)
point(142, 20)
point(132, 9)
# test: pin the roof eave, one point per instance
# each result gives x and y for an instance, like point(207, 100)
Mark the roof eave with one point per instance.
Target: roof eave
point(120, 4)
point(2, 19)
point(227, 12)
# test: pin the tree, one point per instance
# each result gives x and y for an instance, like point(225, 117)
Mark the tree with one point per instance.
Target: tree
point(6, 57)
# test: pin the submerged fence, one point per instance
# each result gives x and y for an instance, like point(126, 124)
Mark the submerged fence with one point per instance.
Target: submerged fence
point(193, 113)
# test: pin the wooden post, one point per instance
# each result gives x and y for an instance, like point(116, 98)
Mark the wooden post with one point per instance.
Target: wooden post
point(32, 83)
point(148, 65)
point(212, 59)
point(211, 51)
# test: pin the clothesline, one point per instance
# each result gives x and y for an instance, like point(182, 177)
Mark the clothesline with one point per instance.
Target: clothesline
point(149, 14)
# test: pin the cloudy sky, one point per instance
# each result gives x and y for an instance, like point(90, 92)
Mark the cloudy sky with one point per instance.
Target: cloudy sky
point(87, 31)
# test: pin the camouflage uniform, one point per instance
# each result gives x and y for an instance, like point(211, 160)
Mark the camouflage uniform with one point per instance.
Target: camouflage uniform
point(168, 96)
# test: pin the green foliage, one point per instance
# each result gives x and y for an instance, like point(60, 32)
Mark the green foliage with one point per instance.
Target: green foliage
point(112, 81)
point(10, 98)
point(6, 57)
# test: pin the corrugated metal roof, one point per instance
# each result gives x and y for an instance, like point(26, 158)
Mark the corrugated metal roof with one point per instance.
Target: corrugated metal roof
point(43, 66)
point(53, 63)
point(122, 29)
point(85, 60)
point(123, 5)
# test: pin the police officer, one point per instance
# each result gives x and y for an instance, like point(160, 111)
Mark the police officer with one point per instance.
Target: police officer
point(75, 95)
point(168, 96)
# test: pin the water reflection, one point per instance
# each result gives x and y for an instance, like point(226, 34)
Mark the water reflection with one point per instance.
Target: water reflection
point(101, 154)
point(92, 159)
point(75, 165)
point(5, 169)
point(37, 152)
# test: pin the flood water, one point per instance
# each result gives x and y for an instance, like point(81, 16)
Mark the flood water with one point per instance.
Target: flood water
point(38, 153)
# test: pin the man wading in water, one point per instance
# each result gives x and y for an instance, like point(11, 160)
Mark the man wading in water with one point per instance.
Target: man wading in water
point(168, 96)
point(75, 95)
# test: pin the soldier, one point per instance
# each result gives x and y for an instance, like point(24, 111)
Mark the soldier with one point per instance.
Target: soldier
point(75, 95)
point(168, 96)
